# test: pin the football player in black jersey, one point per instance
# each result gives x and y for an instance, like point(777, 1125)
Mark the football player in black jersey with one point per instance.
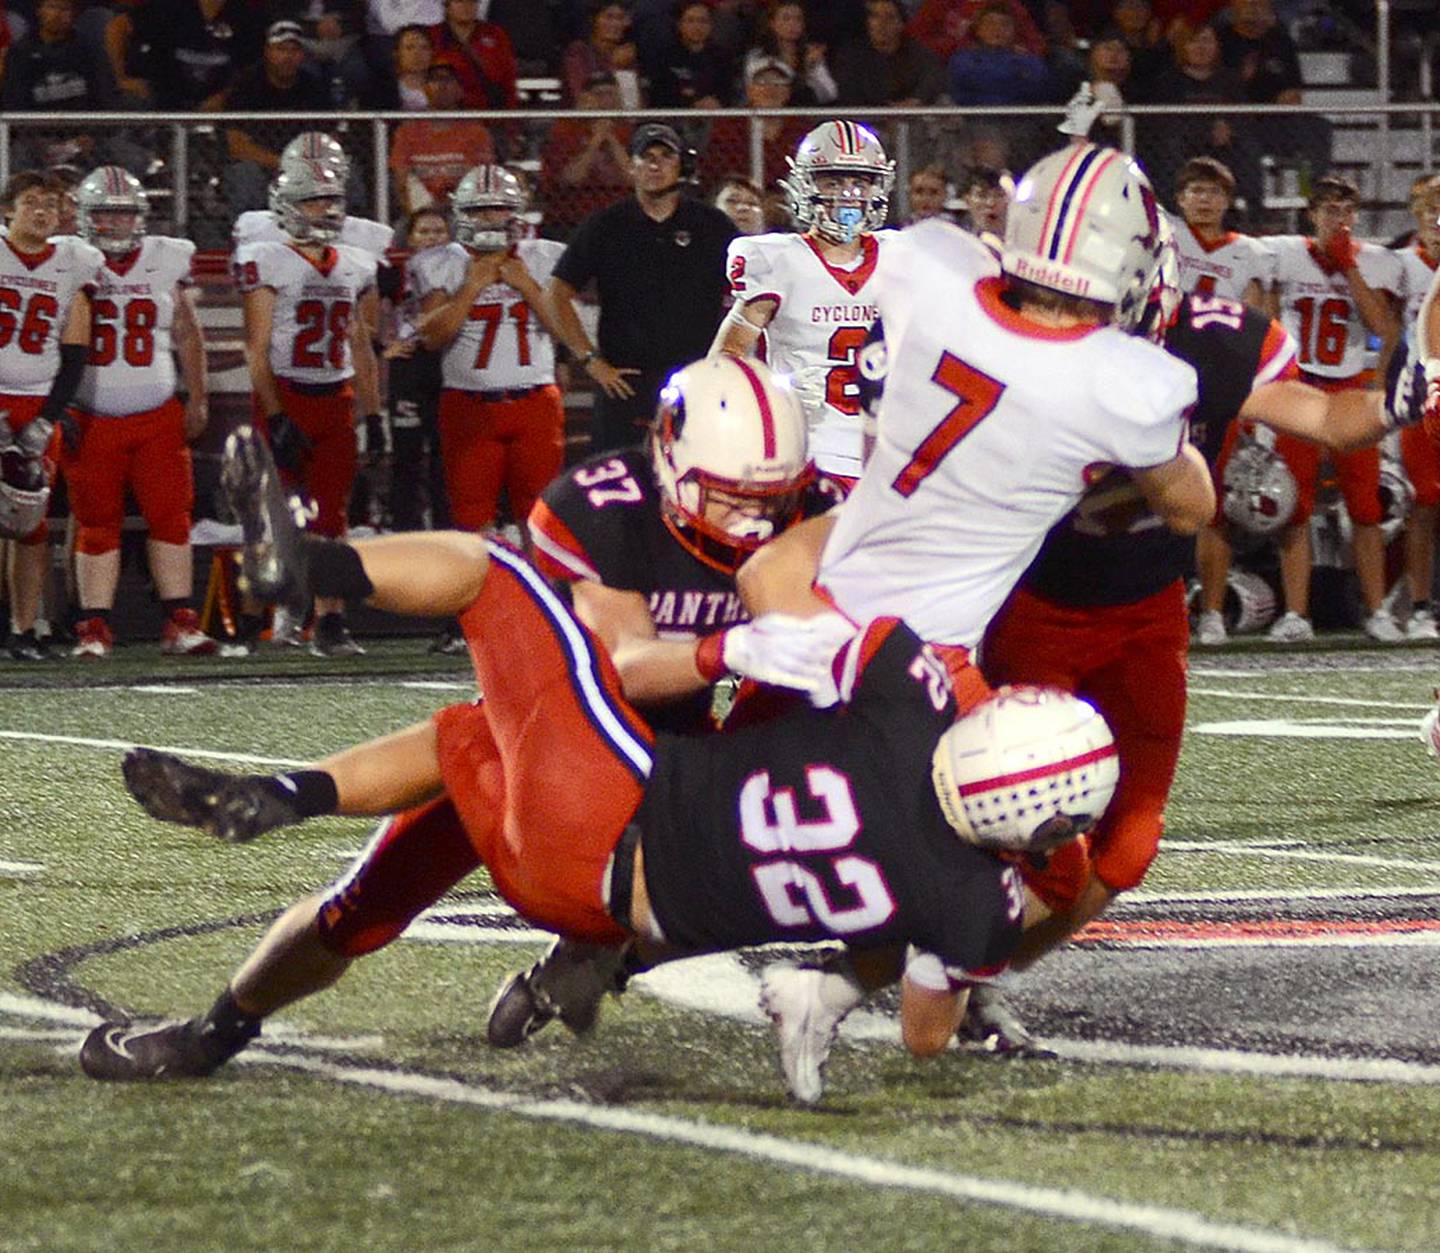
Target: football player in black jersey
point(824, 824)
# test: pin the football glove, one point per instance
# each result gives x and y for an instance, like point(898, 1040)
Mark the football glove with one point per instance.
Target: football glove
point(1431, 412)
point(70, 432)
point(1341, 250)
point(33, 439)
point(288, 443)
point(789, 652)
point(1408, 388)
point(1081, 110)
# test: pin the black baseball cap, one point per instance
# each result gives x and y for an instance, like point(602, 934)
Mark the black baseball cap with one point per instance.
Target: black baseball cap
point(648, 134)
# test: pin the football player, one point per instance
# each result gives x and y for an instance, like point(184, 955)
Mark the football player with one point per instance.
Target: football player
point(309, 305)
point(805, 302)
point(44, 340)
point(502, 422)
point(1333, 292)
point(1214, 261)
point(134, 431)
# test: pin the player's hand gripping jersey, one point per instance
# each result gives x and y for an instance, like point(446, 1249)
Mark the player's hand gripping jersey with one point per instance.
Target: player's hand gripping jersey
point(820, 322)
point(314, 304)
point(503, 345)
point(132, 359)
point(1223, 268)
point(990, 430)
point(36, 290)
point(1317, 308)
point(261, 226)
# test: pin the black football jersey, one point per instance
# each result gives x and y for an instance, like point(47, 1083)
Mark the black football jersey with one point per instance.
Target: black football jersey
point(1110, 549)
point(825, 826)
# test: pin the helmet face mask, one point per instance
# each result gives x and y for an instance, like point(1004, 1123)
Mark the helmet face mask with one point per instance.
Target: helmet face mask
point(24, 493)
point(1162, 306)
point(308, 201)
point(485, 209)
point(110, 210)
point(839, 182)
point(1259, 491)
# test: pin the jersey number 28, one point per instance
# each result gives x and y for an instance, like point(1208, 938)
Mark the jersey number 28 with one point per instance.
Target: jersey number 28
point(317, 320)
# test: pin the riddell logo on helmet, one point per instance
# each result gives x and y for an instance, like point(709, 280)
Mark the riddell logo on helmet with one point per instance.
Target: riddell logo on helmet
point(1048, 276)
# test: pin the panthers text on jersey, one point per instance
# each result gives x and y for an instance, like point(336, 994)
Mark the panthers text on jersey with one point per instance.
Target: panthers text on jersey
point(1225, 267)
point(1316, 305)
point(1419, 269)
point(991, 428)
point(131, 368)
point(502, 345)
point(36, 291)
point(822, 315)
point(825, 826)
point(1111, 550)
point(261, 226)
point(314, 303)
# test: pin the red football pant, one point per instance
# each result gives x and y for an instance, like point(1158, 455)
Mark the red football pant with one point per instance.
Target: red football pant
point(1129, 661)
point(327, 468)
point(516, 444)
point(143, 451)
point(540, 780)
point(1421, 458)
point(19, 412)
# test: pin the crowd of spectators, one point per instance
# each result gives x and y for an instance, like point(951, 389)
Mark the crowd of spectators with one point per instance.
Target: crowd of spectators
point(686, 56)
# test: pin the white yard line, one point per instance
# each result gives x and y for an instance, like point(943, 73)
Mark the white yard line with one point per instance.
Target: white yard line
point(80, 741)
point(1287, 698)
point(1287, 729)
point(21, 867)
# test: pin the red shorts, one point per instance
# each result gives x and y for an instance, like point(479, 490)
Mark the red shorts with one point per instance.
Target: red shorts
point(516, 444)
point(1129, 661)
point(19, 412)
point(1358, 472)
point(327, 468)
point(143, 451)
point(1421, 459)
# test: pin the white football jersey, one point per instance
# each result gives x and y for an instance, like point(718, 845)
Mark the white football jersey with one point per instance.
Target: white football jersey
point(822, 318)
point(1418, 270)
point(261, 226)
point(36, 290)
point(314, 304)
point(132, 310)
point(1316, 306)
point(502, 345)
point(991, 428)
point(1223, 268)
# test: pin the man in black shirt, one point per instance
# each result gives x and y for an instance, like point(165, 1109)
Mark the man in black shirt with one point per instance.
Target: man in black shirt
point(657, 259)
point(184, 55)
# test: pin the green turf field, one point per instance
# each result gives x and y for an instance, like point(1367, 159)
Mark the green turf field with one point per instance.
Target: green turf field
point(1249, 1054)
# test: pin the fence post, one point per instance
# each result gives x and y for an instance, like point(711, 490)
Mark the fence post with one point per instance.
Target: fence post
point(902, 169)
point(4, 151)
point(382, 170)
point(1382, 82)
point(179, 177)
point(757, 152)
point(1127, 133)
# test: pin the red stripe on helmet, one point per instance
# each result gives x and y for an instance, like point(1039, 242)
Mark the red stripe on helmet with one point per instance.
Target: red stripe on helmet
point(762, 398)
point(1037, 772)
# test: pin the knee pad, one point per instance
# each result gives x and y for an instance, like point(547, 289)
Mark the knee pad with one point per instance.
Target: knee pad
point(96, 541)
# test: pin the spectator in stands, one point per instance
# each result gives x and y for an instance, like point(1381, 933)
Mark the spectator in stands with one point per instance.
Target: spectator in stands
point(281, 83)
point(1109, 71)
point(992, 67)
point(607, 49)
point(1197, 77)
point(782, 38)
point(767, 86)
point(886, 66)
point(1144, 36)
point(944, 26)
point(404, 86)
point(429, 158)
point(928, 191)
point(586, 164)
point(386, 18)
point(1255, 46)
point(333, 30)
point(695, 72)
point(986, 193)
point(743, 203)
point(481, 54)
point(530, 26)
point(775, 204)
point(182, 56)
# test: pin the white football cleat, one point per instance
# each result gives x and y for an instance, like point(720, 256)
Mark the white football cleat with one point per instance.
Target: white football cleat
point(1210, 629)
point(807, 1006)
point(1291, 628)
point(1421, 626)
point(1382, 627)
point(1430, 729)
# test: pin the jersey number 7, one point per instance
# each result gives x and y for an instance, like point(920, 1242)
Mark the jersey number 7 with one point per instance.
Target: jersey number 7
point(976, 395)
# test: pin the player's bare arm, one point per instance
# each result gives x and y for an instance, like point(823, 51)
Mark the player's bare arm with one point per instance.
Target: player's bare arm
point(362, 348)
point(652, 670)
point(1179, 491)
point(444, 313)
point(77, 321)
point(259, 314)
point(559, 305)
point(1256, 296)
point(1341, 420)
point(780, 577)
point(740, 328)
point(190, 354)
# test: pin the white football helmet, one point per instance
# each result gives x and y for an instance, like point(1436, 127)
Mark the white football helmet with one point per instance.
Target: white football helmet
point(316, 146)
point(487, 188)
point(1259, 492)
point(24, 492)
point(1397, 497)
point(1085, 222)
point(1162, 306)
point(1026, 770)
point(309, 181)
point(730, 458)
point(110, 189)
point(850, 150)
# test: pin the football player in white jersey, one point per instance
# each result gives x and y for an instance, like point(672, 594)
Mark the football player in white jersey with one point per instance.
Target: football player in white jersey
point(1333, 292)
point(1214, 261)
point(807, 301)
point(502, 423)
point(309, 307)
point(134, 430)
point(44, 338)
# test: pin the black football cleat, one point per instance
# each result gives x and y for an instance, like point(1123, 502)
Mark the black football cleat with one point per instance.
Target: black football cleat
point(272, 561)
point(123, 1053)
point(567, 983)
point(233, 808)
point(991, 1025)
point(518, 1011)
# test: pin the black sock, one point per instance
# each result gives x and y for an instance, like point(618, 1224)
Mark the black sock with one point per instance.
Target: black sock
point(310, 793)
point(248, 627)
point(172, 607)
point(228, 1027)
point(336, 570)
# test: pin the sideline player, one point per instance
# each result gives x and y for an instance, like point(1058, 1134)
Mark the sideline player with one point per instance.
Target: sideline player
point(806, 302)
point(134, 432)
point(1332, 293)
point(45, 285)
point(310, 305)
point(502, 422)
point(1214, 261)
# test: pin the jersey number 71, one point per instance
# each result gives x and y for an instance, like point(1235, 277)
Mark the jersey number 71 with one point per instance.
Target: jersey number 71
point(976, 395)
